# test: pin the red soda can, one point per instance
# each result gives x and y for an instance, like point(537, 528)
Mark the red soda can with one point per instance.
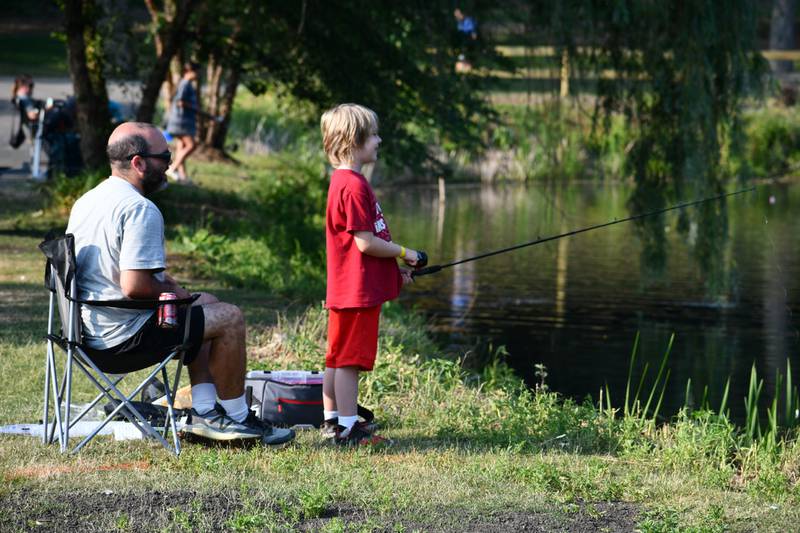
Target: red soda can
point(167, 313)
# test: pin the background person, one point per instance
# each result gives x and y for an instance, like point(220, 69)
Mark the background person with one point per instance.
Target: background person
point(467, 35)
point(182, 121)
point(22, 97)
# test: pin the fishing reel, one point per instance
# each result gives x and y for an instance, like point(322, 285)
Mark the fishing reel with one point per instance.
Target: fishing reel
point(422, 260)
point(422, 268)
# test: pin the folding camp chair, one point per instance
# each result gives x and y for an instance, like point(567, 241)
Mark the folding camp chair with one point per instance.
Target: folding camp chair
point(60, 280)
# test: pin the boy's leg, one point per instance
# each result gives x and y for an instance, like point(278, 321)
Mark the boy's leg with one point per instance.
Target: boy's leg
point(328, 391)
point(330, 413)
point(330, 416)
point(346, 391)
point(352, 343)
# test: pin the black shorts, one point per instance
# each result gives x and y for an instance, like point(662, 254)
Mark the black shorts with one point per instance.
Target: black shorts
point(151, 344)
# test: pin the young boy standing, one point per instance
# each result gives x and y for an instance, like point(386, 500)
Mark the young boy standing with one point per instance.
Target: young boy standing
point(362, 268)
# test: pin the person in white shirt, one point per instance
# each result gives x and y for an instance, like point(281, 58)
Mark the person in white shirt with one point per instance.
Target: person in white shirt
point(119, 247)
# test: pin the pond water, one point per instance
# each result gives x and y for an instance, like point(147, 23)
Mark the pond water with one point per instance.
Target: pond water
point(725, 288)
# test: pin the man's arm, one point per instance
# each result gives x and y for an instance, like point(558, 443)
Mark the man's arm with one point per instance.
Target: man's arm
point(369, 244)
point(142, 284)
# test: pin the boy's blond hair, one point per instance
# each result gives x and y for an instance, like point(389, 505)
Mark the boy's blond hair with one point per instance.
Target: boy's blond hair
point(345, 128)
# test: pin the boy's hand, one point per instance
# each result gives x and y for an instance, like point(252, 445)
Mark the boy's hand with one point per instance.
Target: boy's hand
point(412, 257)
point(407, 277)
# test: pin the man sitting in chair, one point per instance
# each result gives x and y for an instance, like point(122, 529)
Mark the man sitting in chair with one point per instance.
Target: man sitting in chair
point(119, 246)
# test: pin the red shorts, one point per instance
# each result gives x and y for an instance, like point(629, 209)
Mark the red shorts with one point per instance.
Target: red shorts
point(353, 337)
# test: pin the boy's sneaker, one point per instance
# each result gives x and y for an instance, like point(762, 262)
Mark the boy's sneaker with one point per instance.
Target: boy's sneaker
point(368, 419)
point(216, 425)
point(357, 436)
point(328, 428)
point(270, 435)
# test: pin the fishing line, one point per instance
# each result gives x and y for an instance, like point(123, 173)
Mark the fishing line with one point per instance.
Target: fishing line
point(436, 268)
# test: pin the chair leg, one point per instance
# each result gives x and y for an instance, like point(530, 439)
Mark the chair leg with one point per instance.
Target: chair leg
point(171, 422)
point(94, 402)
point(58, 398)
point(124, 401)
point(46, 413)
point(47, 358)
point(68, 403)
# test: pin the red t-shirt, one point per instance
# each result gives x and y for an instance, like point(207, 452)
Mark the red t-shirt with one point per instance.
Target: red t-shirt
point(356, 279)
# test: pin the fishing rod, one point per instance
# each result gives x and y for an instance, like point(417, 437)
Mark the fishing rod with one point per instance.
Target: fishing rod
point(436, 268)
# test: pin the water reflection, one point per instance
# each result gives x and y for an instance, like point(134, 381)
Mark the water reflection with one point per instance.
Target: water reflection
point(719, 277)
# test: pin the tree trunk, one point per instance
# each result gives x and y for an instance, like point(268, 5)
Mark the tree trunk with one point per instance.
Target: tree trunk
point(218, 131)
point(219, 103)
point(85, 56)
point(167, 39)
point(781, 32)
point(210, 96)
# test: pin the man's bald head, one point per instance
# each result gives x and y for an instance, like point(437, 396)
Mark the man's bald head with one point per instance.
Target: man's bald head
point(133, 138)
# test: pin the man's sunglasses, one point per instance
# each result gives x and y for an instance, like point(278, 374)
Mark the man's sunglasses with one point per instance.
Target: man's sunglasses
point(164, 156)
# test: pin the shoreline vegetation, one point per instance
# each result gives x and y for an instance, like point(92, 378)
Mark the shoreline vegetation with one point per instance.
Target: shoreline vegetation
point(551, 141)
point(473, 449)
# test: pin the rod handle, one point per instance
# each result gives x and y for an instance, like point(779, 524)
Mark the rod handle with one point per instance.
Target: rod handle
point(433, 269)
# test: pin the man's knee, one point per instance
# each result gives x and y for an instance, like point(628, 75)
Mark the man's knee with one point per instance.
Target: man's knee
point(237, 317)
point(223, 319)
point(205, 299)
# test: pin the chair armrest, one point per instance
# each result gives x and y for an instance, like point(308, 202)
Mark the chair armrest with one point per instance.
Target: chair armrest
point(137, 304)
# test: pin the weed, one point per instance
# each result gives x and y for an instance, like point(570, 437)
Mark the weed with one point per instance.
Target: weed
point(334, 525)
point(315, 500)
point(122, 522)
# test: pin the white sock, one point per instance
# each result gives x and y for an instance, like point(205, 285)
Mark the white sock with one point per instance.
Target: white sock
point(204, 396)
point(327, 415)
point(236, 408)
point(348, 422)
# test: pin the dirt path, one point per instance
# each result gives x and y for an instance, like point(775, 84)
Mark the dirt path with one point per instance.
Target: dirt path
point(189, 510)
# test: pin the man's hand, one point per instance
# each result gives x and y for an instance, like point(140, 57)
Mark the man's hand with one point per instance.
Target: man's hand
point(179, 291)
point(407, 277)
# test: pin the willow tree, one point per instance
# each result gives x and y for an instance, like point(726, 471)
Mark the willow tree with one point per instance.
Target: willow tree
point(682, 70)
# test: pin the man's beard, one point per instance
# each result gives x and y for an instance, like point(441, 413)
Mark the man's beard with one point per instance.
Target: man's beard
point(154, 180)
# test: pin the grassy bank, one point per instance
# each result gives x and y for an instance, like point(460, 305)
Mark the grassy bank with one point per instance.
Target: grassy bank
point(472, 451)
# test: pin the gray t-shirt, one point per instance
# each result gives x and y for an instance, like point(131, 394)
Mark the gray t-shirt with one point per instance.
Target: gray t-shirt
point(115, 229)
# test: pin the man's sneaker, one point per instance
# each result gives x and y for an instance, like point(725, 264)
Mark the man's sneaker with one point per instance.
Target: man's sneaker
point(270, 435)
point(357, 436)
point(216, 425)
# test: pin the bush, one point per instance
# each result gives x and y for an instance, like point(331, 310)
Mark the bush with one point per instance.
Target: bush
point(61, 192)
point(555, 141)
point(772, 141)
point(270, 235)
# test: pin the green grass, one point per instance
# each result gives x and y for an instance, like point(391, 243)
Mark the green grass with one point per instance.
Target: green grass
point(37, 53)
point(469, 448)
